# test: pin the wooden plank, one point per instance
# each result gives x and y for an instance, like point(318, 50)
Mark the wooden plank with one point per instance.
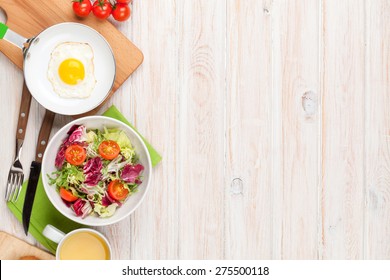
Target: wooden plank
point(248, 179)
point(201, 41)
point(149, 100)
point(300, 125)
point(342, 129)
point(377, 129)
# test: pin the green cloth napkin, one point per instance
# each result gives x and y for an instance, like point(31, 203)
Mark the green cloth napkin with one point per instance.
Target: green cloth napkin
point(43, 211)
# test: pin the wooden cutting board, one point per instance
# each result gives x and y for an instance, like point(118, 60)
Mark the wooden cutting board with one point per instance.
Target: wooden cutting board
point(12, 248)
point(30, 17)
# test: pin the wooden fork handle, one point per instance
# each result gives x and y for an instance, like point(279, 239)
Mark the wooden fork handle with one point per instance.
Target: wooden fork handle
point(24, 111)
point(44, 135)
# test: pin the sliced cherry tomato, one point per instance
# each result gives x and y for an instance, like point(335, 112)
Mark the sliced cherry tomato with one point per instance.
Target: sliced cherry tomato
point(75, 154)
point(121, 12)
point(117, 190)
point(82, 8)
point(67, 195)
point(102, 9)
point(109, 149)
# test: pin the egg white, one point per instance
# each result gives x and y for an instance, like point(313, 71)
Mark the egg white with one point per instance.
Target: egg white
point(82, 52)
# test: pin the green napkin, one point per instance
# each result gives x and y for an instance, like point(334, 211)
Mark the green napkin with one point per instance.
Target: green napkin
point(43, 211)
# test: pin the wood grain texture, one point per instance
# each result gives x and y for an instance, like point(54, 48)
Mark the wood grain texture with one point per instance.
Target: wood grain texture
point(201, 135)
point(272, 118)
point(12, 248)
point(342, 186)
point(377, 115)
point(248, 177)
point(24, 112)
point(300, 123)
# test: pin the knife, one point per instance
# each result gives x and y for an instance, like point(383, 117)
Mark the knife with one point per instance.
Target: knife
point(35, 169)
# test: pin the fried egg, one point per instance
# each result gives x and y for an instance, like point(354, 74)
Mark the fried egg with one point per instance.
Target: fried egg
point(71, 70)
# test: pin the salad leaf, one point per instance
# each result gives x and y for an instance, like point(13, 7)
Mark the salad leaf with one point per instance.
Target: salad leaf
point(91, 151)
point(94, 165)
point(131, 172)
point(92, 171)
point(78, 135)
point(105, 211)
point(82, 208)
point(67, 176)
point(97, 139)
point(111, 171)
point(127, 152)
point(91, 136)
point(72, 128)
point(93, 179)
point(60, 158)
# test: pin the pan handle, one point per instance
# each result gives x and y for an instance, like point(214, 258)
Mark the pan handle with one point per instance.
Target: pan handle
point(12, 37)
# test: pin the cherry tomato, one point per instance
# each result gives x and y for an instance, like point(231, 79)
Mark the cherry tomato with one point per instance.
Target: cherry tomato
point(121, 12)
point(67, 195)
point(102, 9)
point(82, 8)
point(75, 154)
point(109, 149)
point(117, 190)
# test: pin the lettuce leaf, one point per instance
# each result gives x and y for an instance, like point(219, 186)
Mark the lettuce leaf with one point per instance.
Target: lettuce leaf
point(103, 211)
point(67, 176)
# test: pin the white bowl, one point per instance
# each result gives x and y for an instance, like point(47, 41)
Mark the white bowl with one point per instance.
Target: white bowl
point(96, 122)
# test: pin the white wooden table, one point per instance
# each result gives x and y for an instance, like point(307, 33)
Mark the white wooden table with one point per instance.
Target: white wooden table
point(273, 120)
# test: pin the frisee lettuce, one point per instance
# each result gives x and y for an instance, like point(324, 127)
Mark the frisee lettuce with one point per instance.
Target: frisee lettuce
point(69, 175)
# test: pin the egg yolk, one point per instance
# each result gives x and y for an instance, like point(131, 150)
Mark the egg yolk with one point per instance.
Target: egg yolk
point(71, 71)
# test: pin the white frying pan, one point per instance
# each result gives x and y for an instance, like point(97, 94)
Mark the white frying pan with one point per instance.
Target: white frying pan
point(37, 54)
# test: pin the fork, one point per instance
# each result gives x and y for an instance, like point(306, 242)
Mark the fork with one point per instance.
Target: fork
point(16, 175)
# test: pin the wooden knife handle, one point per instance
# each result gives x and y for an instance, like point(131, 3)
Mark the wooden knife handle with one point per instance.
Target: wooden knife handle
point(24, 111)
point(44, 134)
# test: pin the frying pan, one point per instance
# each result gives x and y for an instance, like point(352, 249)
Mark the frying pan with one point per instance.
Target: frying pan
point(37, 54)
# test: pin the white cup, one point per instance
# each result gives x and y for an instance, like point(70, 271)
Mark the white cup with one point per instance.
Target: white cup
point(79, 244)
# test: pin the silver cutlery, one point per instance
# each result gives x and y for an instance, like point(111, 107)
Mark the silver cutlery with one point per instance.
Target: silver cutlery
point(16, 175)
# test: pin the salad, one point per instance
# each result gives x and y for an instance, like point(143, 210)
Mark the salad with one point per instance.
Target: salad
point(96, 170)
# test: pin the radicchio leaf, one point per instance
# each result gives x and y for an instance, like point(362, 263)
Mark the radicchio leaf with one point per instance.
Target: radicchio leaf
point(67, 203)
point(82, 208)
point(92, 171)
point(86, 210)
point(108, 200)
point(60, 158)
point(77, 207)
point(78, 134)
point(94, 165)
point(130, 173)
point(92, 179)
point(72, 129)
